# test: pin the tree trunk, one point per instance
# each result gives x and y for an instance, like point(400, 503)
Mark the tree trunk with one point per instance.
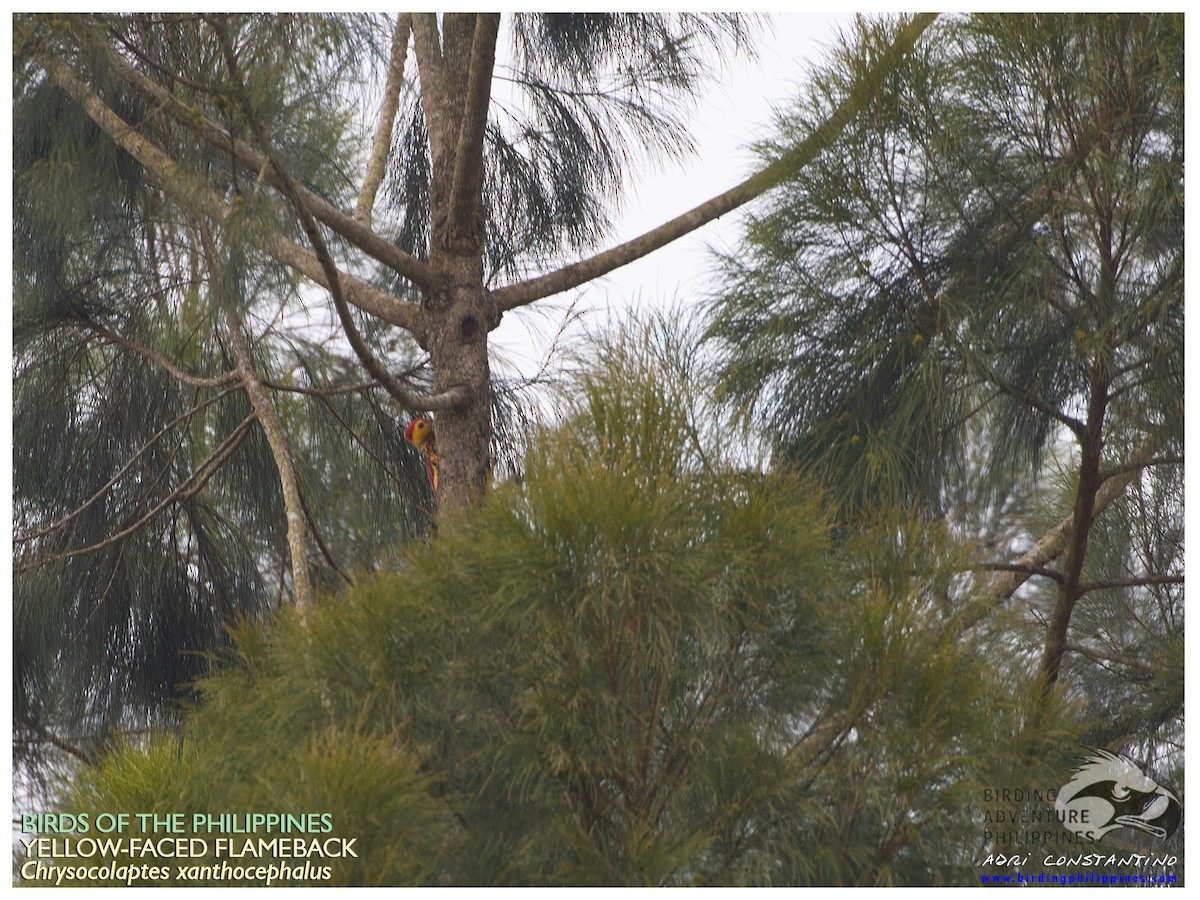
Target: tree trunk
point(459, 320)
point(458, 311)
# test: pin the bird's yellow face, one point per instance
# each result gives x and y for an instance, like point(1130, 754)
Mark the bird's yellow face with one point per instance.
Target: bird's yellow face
point(419, 433)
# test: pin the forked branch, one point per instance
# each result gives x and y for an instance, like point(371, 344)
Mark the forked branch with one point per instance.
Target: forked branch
point(1050, 545)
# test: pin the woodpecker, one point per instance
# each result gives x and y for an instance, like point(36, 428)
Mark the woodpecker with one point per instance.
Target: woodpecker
point(419, 433)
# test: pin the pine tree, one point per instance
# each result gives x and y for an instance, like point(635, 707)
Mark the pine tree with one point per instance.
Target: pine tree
point(220, 325)
point(973, 304)
point(646, 665)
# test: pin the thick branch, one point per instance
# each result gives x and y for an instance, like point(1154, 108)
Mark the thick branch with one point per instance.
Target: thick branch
point(291, 191)
point(1014, 567)
point(578, 273)
point(405, 397)
point(382, 142)
point(1090, 454)
point(201, 199)
point(428, 48)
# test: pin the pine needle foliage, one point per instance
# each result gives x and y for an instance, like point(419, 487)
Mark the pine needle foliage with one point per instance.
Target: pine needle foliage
point(644, 665)
point(149, 502)
point(1004, 219)
point(972, 306)
point(577, 98)
point(147, 515)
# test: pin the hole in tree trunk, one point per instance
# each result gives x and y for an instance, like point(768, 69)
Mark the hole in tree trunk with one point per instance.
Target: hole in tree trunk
point(468, 329)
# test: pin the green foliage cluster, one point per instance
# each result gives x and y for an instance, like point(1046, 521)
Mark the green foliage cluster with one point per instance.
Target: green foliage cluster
point(652, 659)
point(643, 665)
point(1002, 220)
point(971, 305)
point(148, 509)
point(131, 550)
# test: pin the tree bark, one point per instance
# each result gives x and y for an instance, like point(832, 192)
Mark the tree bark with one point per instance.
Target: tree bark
point(382, 143)
point(586, 270)
point(458, 312)
point(297, 532)
point(1070, 589)
point(1051, 545)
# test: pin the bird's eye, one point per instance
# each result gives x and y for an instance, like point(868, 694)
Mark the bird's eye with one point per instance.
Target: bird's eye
point(1120, 791)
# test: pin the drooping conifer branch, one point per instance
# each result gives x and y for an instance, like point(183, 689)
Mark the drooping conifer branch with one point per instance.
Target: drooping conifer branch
point(198, 198)
point(353, 228)
point(188, 488)
point(108, 485)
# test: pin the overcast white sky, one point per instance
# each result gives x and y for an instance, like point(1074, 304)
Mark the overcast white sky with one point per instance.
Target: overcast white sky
point(736, 109)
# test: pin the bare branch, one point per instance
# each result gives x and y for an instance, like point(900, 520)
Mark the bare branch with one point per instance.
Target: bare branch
point(382, 142)
point(366, 448)
point(1049, 546)
point(63, 744)
point(316, 533)
point(1173, 459)
point(281, 450)
point(1091, 449)
point(1015, 567)
point(1144, 581)
point(264, 411)
point(161, 360)
point(1109, 656)
point(358, 388)
point(405, 397)
point(575, 274)
point(1034, 402)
